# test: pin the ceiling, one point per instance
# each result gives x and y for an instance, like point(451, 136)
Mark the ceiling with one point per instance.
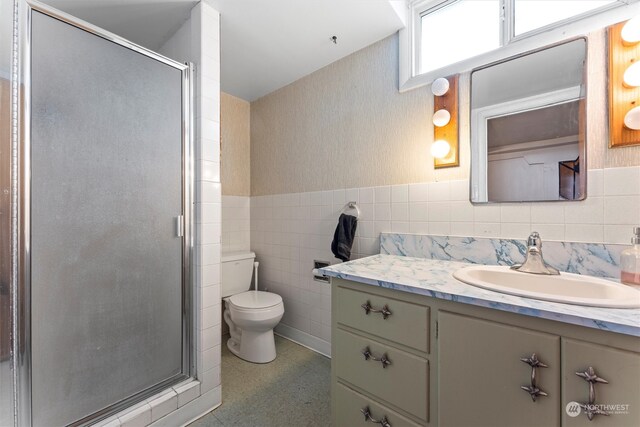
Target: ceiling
point(149, 23)
point(265, 44)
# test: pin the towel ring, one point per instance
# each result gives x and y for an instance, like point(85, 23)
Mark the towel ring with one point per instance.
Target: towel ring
point(351, 205)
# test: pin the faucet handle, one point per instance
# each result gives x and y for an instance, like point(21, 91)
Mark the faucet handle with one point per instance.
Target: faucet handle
point(534, 240)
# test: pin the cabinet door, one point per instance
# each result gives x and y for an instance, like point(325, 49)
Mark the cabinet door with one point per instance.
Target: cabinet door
point(481, 374)
point(620, 396)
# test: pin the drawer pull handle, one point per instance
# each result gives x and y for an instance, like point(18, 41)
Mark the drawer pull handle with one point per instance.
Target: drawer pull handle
point(384, 422)
point(384, 310)
point(533, 389)
point(383, 359)
point(591, 409)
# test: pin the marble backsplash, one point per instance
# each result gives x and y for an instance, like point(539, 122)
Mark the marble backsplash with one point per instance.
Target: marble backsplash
point(593, 259)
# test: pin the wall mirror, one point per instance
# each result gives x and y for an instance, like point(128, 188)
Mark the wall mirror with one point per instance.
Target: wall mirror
point(528, 126)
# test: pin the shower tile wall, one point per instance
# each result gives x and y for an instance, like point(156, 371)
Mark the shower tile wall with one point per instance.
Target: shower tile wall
point(198, 41)
point(208, 207)
point(289, 231)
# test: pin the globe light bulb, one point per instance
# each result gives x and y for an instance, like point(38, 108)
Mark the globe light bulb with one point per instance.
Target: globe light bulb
point(632, 119)
point(631, 76)
point(631, 31)
point(440, 149)
point(441, 118)
point(440, 86)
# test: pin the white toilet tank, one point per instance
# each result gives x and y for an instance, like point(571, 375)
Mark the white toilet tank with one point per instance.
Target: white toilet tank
point(237, 270)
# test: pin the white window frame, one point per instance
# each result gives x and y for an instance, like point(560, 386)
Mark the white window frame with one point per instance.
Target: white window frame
point(580, 25)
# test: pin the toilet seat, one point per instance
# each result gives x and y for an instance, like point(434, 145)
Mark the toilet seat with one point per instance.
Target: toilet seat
point(252, 300)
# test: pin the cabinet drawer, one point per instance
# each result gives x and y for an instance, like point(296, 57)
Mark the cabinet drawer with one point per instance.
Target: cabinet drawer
point(403, 382)
point(408, 324)
point(349, 407)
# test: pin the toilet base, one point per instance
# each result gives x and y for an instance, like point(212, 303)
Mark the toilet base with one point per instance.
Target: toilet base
point(255, 347)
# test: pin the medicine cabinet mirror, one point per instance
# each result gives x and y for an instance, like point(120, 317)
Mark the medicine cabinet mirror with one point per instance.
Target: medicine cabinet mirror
point(528, 126)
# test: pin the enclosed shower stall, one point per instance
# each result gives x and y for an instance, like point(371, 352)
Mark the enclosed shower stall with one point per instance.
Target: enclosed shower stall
point(95, 219)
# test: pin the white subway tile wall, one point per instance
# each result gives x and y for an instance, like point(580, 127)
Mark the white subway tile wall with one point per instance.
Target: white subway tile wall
point(206, 30)
point(290, 231)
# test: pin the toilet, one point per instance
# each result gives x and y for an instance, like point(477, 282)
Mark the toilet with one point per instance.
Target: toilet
point(251, 315)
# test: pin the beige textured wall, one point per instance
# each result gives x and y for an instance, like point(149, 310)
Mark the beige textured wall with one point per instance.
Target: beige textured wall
point(343, 126)
point(235, 146)
point(347, 125)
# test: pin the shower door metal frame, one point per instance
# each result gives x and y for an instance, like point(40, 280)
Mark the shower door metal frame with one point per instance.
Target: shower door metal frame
point(21, 198)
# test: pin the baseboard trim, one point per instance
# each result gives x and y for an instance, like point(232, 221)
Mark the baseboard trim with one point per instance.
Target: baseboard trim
point(304, 339)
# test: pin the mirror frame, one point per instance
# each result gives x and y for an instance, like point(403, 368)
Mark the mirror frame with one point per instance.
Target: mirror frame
point(475, 153)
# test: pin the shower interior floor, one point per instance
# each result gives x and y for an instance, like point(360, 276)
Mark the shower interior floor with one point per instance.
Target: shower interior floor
point(293, 390)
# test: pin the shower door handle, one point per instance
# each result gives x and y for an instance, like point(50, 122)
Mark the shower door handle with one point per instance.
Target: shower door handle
point(180, 226)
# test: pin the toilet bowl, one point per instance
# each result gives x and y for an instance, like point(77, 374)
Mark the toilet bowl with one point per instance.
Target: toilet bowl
point(251, 315)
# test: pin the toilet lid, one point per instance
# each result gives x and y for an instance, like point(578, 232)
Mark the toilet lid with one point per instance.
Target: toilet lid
point(253, 299)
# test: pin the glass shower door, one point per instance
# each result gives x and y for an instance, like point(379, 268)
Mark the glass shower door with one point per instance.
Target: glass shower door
point(105, 197)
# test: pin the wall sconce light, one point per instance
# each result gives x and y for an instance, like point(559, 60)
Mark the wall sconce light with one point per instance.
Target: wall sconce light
point(624, 83)
point(445, 120)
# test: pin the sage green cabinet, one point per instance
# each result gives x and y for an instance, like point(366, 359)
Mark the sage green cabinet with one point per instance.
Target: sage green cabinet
point(458, 365)
point(480, 374)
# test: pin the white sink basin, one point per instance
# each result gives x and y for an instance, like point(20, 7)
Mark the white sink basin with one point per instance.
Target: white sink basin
point(566, 288)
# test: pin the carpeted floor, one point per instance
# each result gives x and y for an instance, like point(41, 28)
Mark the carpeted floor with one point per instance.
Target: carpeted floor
point(293, 390)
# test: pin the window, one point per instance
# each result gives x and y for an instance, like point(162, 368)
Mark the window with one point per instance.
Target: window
point(450, 36)
point(533, 14)
point(457, 31)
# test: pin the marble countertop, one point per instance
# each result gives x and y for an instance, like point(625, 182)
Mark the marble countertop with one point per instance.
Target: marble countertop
point(434, 278)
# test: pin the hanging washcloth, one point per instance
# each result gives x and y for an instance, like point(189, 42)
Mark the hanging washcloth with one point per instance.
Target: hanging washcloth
point(343, 237)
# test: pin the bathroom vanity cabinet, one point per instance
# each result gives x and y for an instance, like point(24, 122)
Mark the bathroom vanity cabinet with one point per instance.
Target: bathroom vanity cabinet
point(402, 359)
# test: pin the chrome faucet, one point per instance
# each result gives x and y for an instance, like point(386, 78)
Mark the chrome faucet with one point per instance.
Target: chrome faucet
point(533, 262)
